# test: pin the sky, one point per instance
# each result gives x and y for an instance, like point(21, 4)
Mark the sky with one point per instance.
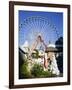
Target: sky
point(33, 23)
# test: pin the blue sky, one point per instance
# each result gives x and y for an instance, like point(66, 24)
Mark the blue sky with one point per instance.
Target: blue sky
point(48, 24)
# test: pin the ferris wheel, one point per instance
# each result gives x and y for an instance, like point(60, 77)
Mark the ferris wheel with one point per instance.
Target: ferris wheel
point(36, 25)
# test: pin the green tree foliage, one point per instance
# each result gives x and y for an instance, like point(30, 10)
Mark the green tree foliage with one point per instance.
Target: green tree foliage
point(60, 57)
point(24, 70)
point(59, 42)
point(36, 54)
point(38, 72)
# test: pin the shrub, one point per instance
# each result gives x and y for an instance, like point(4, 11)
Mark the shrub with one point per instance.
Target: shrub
point(24, 70)
point(38, 72)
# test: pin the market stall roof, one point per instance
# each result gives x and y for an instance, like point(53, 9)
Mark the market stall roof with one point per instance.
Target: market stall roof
point(51, 48)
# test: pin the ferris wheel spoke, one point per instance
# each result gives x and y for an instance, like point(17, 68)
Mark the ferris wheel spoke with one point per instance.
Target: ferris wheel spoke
point(38, 25)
